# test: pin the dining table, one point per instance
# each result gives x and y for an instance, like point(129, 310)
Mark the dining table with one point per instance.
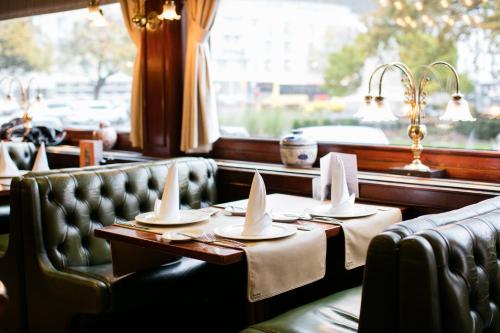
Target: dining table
point(135, 249)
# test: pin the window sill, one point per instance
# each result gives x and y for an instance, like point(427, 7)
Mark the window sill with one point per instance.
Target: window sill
point(460, 164)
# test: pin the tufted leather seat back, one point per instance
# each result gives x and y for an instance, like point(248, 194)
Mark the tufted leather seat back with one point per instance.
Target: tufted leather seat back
point(22, 153)
point(73, 205)
point(462, 281)
point(382, 264)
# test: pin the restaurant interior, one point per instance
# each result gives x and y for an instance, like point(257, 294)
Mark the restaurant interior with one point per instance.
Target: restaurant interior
point(284, 166)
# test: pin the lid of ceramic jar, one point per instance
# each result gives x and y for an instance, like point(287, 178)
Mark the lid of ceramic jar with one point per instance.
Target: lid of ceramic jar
point(296, 138)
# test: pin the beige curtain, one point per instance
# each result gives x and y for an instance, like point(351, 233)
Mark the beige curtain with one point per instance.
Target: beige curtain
point(129, 9)
point(200, 126)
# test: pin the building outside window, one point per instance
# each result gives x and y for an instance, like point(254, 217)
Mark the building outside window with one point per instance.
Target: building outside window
point(83, 72)
point(318, 55)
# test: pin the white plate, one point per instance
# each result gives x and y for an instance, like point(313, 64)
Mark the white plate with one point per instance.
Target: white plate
point(278, 230)
point(358, 211)
point(186, 217)
point(285, 217)
point(235, 211)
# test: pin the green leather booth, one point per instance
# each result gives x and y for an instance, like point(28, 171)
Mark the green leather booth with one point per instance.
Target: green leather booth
point(12, 258)
point(23, 154)
point(435, 274)
point(68, 271)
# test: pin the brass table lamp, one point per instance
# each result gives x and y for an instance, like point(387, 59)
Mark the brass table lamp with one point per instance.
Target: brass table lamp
point(376, 109)
point(25, 104)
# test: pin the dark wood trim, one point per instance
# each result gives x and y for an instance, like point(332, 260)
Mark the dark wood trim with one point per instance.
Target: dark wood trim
point(421, 197)
point(459, 164)
point(163, 87)
point(73, 137)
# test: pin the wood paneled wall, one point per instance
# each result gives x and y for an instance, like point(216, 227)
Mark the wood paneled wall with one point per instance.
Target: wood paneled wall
point(459, 164)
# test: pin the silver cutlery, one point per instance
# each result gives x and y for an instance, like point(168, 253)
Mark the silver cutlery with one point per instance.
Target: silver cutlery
point(321, 219)
point(132, 225)
point(208, 240)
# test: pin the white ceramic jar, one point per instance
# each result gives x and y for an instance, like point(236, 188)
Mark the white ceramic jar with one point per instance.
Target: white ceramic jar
point(107, 134)
point(298, 150)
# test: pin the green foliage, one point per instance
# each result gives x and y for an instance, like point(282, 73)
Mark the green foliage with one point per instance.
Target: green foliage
point(416, 44)
point(484, 129)
point(344, 72)
point(323, 121)
point(417, 49)
point(101, 52)
point(22, 48)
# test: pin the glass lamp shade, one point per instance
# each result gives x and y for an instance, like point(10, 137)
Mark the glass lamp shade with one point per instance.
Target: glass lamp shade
point(457, 110)
point(96, 17)
point(364, 109)
point(39, 106)
point(169, 12)
point(380, 111)
point(9, 104)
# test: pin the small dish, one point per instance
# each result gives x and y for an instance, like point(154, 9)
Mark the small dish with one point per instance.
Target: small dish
point(285, 217)
point(278, 230)
point(235, 211)
point(186, 217)
point(357, 211)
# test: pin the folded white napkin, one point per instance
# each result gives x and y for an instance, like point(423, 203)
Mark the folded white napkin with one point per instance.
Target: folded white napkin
point(257, 221)
point(7, 166)
point(169, 206)
point(41, 162)
point(333, 173)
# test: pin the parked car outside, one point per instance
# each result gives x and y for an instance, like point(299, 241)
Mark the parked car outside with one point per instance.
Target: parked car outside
point(347, 134)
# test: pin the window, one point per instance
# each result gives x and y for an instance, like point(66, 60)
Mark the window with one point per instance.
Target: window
point(83, 72)
point(308, 64)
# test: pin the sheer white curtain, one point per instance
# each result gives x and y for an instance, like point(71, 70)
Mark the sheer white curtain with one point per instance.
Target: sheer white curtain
point(200, 126)
point(129, 9)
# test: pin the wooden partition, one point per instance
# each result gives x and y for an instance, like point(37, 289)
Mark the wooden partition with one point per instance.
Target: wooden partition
point(421, 196)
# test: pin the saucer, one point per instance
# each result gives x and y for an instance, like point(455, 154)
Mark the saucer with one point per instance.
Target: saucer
point(277, 230)
point(185, 217)
point(357, 211)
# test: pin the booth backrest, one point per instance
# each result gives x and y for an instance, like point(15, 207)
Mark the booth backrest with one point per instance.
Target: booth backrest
point(450, 278)
point(380, 293)
point(66, 207)
point(22, 153)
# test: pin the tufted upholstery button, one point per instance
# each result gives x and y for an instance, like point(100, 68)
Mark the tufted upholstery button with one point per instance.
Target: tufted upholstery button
point(192, 176)
point(94, 216)
point(87, 200)
point(85, 242)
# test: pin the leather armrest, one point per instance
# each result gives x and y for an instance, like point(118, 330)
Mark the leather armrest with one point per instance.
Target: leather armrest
point(64, 286)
